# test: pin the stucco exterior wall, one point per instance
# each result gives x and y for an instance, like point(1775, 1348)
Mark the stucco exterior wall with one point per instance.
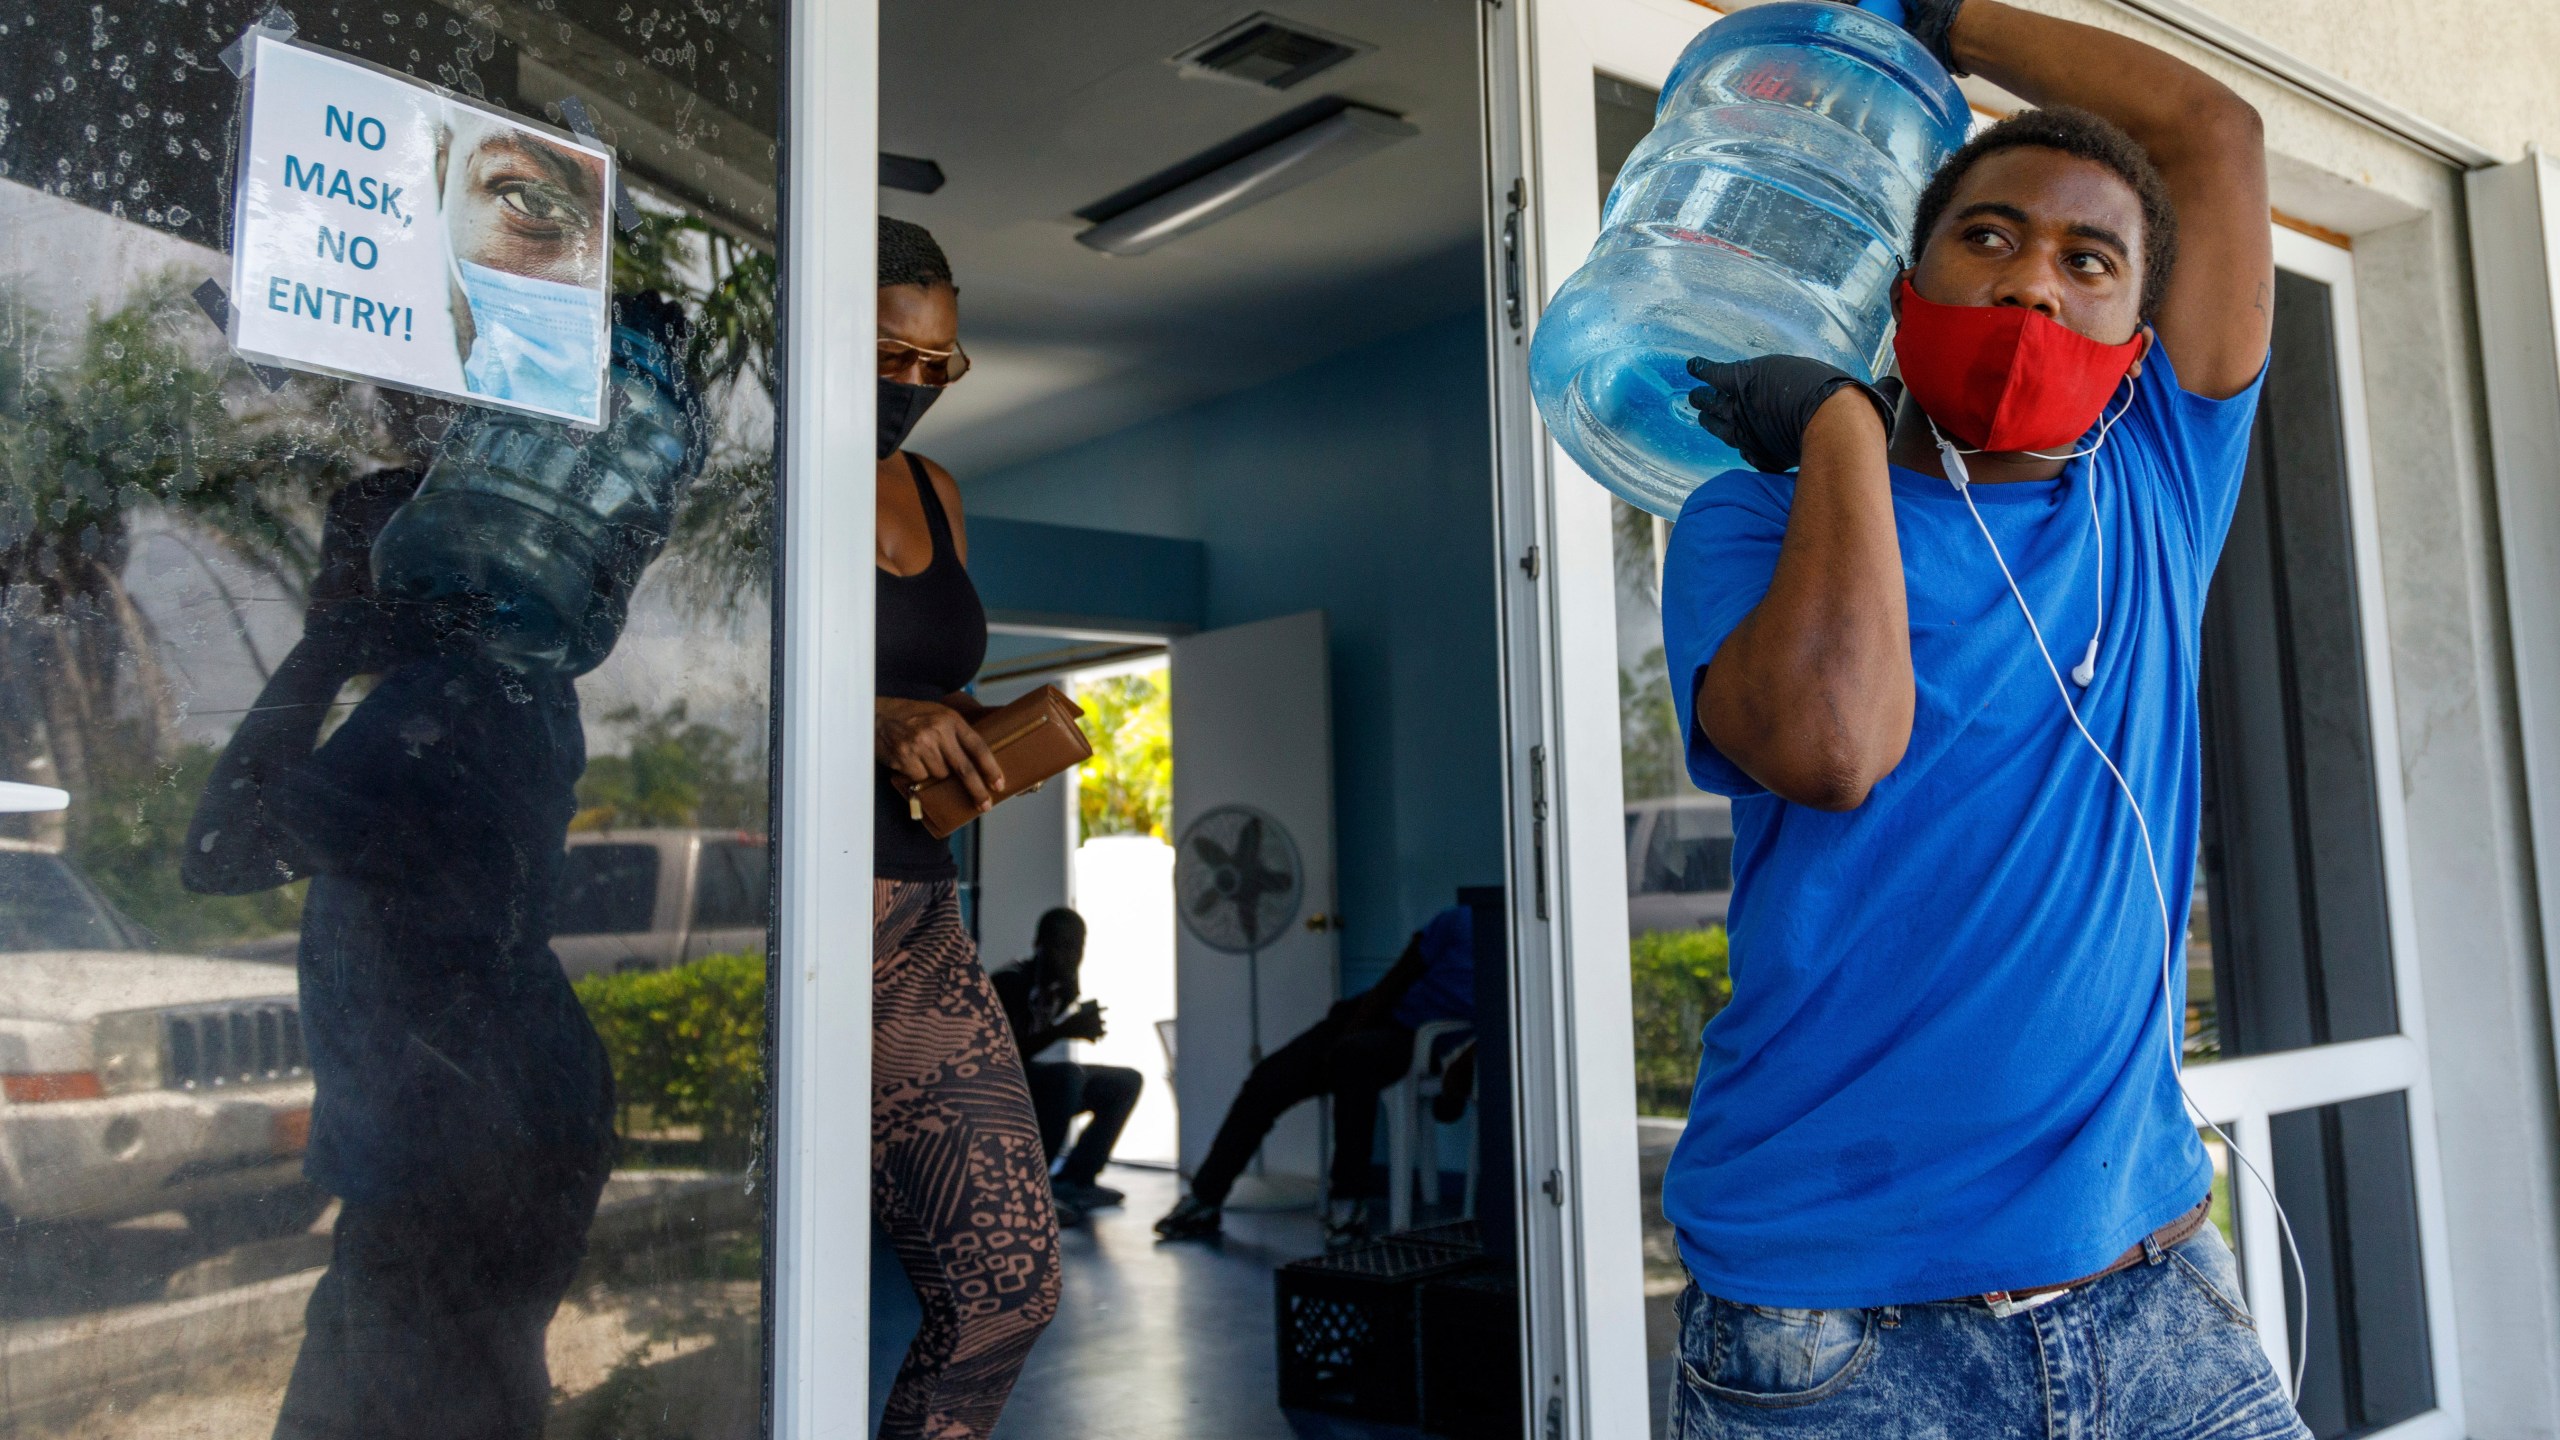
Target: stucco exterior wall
point(2487, 69)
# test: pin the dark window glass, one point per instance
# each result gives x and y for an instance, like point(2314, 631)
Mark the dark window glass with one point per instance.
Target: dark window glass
point(608, 890)
point(43, 906)
point(1690, 852)
point(1625, 116)
point(2300, 946)
point(729, 886)
point(2344, 1174)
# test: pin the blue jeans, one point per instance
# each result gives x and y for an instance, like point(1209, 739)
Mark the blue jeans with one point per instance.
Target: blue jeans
point(2160, 1350)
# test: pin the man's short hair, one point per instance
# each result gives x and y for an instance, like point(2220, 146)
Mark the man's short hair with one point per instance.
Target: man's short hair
point(909, 255)
point(2077, 133)
point(1058, 927)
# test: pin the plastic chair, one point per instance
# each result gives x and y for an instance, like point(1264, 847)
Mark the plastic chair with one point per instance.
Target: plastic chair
point(1412, 1157)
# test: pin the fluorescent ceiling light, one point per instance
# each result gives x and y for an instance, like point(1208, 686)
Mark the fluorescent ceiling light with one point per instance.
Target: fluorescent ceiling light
point(1284, 164)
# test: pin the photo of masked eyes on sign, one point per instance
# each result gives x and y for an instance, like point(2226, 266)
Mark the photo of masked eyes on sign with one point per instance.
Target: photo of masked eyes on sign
point(389, 231)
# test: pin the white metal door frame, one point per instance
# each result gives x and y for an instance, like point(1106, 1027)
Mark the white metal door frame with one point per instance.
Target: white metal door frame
point(819, 1306)
point(1582, 1223)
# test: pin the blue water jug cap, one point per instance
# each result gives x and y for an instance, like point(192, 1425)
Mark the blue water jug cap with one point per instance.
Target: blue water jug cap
point(1892, 10)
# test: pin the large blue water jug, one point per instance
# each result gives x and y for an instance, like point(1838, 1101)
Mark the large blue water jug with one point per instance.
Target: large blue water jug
point(1767, 213)
point(533, 532)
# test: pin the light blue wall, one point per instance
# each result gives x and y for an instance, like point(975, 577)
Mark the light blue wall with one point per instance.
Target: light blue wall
point(1361, 486)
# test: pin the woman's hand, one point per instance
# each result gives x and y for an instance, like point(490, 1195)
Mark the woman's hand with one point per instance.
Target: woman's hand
point(922, 741)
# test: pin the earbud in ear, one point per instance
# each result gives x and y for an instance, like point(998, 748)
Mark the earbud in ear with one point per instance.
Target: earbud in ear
point(2087, 669)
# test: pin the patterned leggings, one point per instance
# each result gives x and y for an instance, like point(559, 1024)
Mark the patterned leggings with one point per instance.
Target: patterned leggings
point(958, 1179)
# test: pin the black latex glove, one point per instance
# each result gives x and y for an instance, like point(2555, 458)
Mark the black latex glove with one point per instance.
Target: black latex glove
point(1762, 406)
point(1928, 22)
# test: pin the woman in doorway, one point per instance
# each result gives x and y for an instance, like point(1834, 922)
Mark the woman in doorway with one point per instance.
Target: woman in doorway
point(959, 1181)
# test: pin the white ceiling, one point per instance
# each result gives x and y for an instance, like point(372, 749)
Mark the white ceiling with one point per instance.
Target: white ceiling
point(1035, 109)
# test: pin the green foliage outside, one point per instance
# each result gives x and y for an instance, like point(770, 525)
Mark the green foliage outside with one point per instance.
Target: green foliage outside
point(1127, 787)
point(675, 770)
point(1681, 981)
point(132, 832)
point(687, 1046)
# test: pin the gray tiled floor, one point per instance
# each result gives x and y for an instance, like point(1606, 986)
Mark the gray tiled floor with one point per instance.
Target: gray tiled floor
point(1152, 1342)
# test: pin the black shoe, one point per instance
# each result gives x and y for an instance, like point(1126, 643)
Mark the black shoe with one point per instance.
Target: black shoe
point(1190, 1220)
point(1070, 1214)
point(1085, 1195)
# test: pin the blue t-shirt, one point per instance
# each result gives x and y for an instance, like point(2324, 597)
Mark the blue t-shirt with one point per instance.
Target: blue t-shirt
point(1946, 1066)
point(1447, 987)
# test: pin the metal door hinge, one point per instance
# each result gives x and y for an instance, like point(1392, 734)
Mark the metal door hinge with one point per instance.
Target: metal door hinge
point(1529, 562)
point(1554, 1187)
point(1555, 1417)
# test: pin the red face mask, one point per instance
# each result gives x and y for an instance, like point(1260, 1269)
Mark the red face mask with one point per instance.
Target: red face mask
point(2004, 377)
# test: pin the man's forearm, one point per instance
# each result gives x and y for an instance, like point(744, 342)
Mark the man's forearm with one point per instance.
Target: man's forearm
point(1812, 694)
point(2165, 104)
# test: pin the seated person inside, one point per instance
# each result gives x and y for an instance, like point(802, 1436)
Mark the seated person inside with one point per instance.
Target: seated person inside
point(1039, 997)
point(1363, 1045)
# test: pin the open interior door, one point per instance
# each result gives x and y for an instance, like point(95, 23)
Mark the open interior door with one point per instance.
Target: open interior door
point(1255, 956)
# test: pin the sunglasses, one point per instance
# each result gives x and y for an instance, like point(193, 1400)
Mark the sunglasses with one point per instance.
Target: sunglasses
point(939, 367)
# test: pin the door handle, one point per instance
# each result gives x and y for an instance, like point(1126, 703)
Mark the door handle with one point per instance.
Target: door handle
point(1514, 307)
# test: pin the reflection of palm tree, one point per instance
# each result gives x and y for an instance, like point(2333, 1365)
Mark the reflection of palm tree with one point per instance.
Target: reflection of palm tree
point(131, 419)
point(719, 558)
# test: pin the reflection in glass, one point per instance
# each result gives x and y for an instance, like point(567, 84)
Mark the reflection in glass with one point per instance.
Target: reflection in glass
point(2294, 948)
point(2344, 1175)
point(301, 1065)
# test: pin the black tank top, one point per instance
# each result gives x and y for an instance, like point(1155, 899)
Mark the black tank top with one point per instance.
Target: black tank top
point(932, 639)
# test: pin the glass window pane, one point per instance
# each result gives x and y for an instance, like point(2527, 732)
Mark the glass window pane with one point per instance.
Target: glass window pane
point(2296, 935)
point(607, 890)
point(370, 706)
point(2344, 1175)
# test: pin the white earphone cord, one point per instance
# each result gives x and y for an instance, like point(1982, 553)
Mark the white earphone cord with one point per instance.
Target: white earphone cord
point(2159, 892)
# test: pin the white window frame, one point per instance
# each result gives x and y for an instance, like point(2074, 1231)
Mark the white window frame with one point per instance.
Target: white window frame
point(2241, 1094)
point(820, 1303)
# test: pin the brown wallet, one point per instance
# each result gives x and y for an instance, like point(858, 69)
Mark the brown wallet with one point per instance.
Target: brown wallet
point(1035, 739)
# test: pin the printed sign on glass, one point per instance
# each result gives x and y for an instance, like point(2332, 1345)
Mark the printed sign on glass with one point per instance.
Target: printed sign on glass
point(388, 231)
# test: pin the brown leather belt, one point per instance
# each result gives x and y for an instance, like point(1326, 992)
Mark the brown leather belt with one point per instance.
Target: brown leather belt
point(2010, 1302)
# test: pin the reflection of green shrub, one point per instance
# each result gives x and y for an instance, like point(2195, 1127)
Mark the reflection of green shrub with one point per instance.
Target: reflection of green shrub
point(688, 1044)
point(129, 832)
point(1680, 983)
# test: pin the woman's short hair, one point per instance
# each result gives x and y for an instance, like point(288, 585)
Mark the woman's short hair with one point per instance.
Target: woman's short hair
point(909, 256)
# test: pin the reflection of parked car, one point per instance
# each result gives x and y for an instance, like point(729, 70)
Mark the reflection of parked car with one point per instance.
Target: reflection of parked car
point(133, 1082)
point(648, 899)
point(1679, 862)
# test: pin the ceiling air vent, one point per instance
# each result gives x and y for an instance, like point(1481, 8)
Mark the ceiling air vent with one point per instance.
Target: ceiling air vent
point(1268, 51)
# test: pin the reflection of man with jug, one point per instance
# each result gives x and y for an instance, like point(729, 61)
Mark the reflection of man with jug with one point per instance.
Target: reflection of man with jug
point(524, 219)
point(463, 1112)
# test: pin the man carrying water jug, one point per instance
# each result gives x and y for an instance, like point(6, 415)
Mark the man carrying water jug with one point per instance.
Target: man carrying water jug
point(1939, 1179)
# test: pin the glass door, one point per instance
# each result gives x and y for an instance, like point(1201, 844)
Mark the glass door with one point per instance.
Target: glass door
point(1577, 67)
point(385, 834)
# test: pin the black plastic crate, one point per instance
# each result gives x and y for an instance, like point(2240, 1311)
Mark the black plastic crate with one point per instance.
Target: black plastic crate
point(1348, 1332)
point(1470, 1329)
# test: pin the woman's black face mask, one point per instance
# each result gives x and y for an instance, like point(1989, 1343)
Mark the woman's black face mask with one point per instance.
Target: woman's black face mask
point(901, 406)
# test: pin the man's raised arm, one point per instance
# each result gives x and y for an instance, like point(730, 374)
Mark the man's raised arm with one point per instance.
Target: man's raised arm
point(2207, 142)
